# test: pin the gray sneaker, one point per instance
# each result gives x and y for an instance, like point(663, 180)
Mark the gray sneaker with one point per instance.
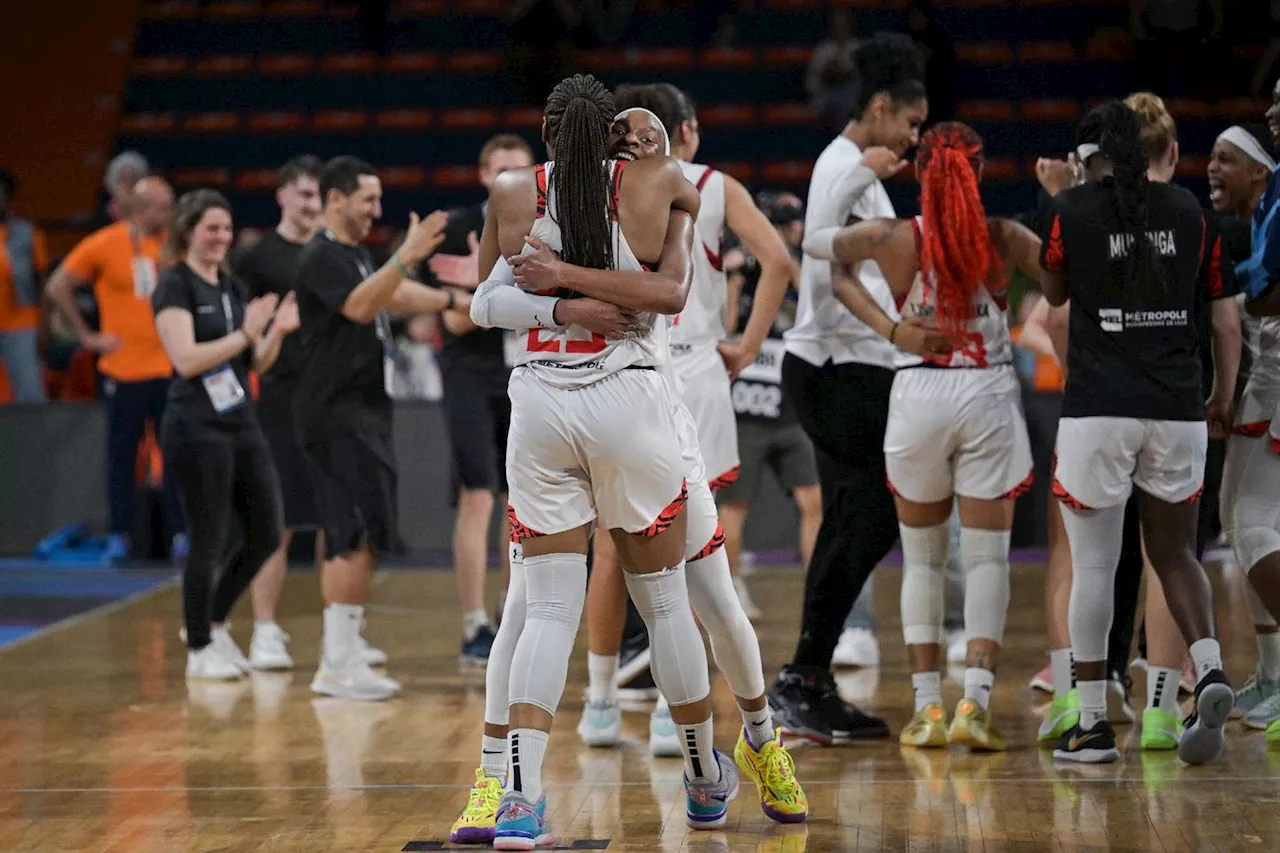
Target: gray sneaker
point(1255, 691)
point(1261, 715)
point(708, 802)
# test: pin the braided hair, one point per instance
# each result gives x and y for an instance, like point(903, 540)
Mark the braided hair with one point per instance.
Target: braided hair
point(957, 253)
point(1119, 131)
point(579, 114)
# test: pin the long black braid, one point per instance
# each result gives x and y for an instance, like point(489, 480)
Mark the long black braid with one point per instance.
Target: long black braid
point(1120, 142)
point(579, 114)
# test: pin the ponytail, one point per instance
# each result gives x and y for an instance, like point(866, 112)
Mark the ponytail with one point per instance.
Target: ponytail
point(957, 254)
point(579, 114)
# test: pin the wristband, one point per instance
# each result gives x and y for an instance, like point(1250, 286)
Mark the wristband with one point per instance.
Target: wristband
point(893, 332)
point(248, 338)
point(453, 300)
point(399, 265)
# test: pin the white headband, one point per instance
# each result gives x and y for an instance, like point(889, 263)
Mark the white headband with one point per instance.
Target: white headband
point(1249, 144)
point(666, 137)
point(1085, 151)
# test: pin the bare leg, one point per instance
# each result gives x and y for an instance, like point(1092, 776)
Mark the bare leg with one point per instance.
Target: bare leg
point(471, 546)
point(268, 585)
point(733, 518)
point(809, 504)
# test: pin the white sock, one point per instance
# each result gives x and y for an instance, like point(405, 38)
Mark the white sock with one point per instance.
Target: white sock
point(341, 632)
point(493, 757)
point(1060, 666)
point(1269, 655)
point(473, 621)
point(1206, 654)
point(1162, 688)
point(699, 752)
point(528, 747)
point(759, 726)
point(601, 678)
point(265, 625)
point(978, 683)
point(1093, 703)
point(928, 689)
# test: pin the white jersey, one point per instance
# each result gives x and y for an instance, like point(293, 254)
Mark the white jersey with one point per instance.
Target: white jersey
point(824, 328)
point(1262, 392)
point(701, 324)
point(574, 357)
point(986, 337)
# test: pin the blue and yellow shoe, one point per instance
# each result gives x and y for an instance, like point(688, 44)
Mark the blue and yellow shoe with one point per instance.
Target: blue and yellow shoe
point(773, 770)
point(1160, 729)
point(476, 823)
point(1061, 717)
point(522, 825)
point(707, 802)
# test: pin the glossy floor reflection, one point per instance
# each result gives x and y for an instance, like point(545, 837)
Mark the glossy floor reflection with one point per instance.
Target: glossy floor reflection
point(106, 748)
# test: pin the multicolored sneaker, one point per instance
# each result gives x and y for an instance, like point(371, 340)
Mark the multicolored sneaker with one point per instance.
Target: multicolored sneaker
point(1160, 729)
point(1255, 691)
point(708, 802)
point(972, 727)
point(476, 823)
point(773, 770)
point(927, 729)
point(1061, 717)
point(522, 825)
point(1261, 716)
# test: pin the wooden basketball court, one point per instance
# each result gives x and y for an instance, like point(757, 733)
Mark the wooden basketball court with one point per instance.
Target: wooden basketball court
point(105, 747)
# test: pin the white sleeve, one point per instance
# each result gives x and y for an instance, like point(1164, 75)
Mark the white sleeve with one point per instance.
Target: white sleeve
point(822, 243)
point(498, 303)
point(847, 192)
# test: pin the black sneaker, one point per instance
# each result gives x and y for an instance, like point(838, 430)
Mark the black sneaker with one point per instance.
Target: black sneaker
point(633, 656)
point(475, 651)
point(1096, 746)
point(1120, 708)
point(1205, 738)
point(806, 704)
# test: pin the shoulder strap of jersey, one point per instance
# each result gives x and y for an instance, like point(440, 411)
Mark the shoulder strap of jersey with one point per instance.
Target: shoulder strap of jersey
point(917, 229)
point(540, 173)
point(615, 189)
point(706, 176)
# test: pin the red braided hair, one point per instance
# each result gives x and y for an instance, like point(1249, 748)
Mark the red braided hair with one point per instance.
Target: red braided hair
point(957, 252)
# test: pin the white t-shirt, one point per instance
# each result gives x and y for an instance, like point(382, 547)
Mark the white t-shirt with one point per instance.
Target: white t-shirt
point(824, 328)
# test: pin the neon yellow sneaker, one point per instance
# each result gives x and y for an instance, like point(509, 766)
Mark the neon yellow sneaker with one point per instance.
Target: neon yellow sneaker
point(476, 823)
point(773, 770)
point(1061, 717)
point(972, 727)
point(927, 729)
point(1160, 729)
point(1273, 733)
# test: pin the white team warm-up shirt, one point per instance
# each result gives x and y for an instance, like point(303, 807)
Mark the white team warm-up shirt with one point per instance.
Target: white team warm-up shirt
point(824, 328)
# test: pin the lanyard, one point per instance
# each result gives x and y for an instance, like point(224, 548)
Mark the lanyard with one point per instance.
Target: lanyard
point(226, 312)
point(382, 322)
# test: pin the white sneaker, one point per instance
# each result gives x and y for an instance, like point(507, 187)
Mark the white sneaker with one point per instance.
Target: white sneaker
point(857, 647)
point(268, 649)
point(744, 598)
point(354, 680)
point(957, 647)
point(226, 645)
point(370, 655)
point(601, 723)
point(664, 742)
point(210, 663)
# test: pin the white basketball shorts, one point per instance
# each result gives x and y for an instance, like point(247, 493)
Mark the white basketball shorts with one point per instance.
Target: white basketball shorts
point(709, 398)
point(608, 452)
point(957, 431)
point(1101, 459)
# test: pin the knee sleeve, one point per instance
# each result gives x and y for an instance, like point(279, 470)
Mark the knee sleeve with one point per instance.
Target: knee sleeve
point(497, 673)
point(1251, 544)
point(555, 590)
point(924, 561)
point(677, 657)
point(1258, 611)
point(1096, 538)
point(734, 644)
point(984, 554)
